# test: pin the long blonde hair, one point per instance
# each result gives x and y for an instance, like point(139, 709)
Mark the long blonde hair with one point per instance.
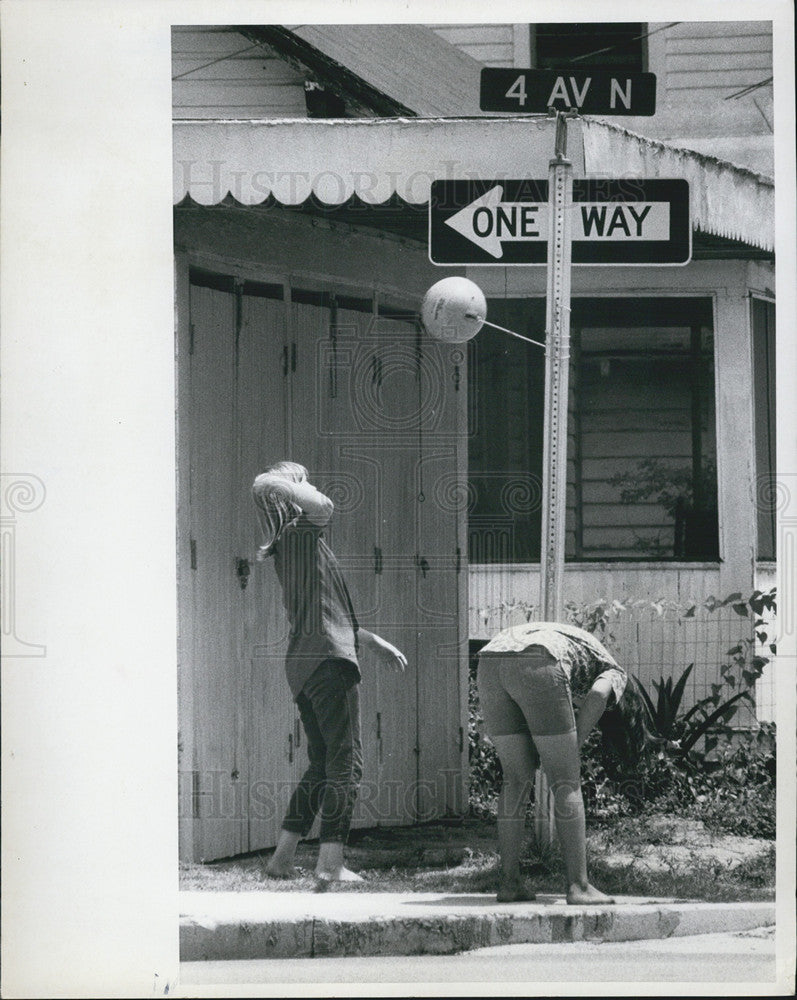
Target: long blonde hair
point(275, 511)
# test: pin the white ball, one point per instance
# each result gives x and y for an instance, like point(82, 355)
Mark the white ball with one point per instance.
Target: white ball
point(453, 310)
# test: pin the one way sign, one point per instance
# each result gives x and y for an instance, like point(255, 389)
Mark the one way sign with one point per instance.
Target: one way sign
point(505, 222)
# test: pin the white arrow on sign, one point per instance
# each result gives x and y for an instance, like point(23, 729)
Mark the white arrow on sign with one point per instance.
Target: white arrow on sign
point(490, 222)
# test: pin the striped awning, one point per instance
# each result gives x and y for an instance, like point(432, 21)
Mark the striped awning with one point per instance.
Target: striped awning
point(376, 160)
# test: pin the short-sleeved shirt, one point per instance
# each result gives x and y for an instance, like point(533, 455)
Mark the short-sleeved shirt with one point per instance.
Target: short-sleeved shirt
point(317, 600)
point(583, 656)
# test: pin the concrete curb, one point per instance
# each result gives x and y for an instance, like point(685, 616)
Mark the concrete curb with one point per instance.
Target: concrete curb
point(232, 926)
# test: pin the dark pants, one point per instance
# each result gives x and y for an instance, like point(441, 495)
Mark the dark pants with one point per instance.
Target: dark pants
point(329, 706)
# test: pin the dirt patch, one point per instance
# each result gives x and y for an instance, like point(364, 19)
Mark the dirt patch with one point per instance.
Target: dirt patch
point(661, 843)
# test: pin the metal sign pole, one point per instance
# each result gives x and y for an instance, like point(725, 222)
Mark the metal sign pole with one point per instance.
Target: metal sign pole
point(557, 359)
point(557, 356)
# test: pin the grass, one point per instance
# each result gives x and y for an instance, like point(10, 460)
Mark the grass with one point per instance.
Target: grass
point(655, 856)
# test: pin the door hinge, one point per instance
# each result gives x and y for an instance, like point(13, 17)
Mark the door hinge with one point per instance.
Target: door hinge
point(242, 570)
point(290, 748)
point(191, 330)
point(461, 739)
point(195, 793)
point(239, 306)
point(193, 553)
point(284, 360)
point(377, 560)
point(293, 356)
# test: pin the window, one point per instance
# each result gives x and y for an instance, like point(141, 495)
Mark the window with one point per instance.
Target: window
point(609, 45)
point(507, 381)
point(641, 432)
point(764, 397)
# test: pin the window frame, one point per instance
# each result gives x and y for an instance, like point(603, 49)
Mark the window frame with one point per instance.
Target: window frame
point(765, 439)
point(698, 308)
point(590, 27)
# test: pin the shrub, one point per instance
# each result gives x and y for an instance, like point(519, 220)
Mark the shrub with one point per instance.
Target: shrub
point(608, 795)
point(682, 730)
point(732, 792)
point(735, 793)
point(727, 781)
point(485, 767)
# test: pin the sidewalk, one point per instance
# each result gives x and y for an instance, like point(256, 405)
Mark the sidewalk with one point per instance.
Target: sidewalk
point(218, 926)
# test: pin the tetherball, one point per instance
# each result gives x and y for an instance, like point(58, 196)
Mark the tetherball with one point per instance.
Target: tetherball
point(453, 310)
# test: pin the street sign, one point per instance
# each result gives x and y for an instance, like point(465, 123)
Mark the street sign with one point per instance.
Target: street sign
point(505, 222)
point(588, 91)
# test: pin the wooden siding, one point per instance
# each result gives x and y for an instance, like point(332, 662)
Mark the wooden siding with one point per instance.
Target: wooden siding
point(213, 535)
point(712, 59)
point(648, 643)
point(219, 74)
point(490, 44)
point(265, 736)
point(379, 418)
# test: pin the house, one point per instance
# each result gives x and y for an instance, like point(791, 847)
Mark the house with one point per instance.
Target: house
point(303, 162)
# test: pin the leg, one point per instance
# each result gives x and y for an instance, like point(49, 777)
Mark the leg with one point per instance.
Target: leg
point(280, 864)
point(306, 798)
point(517, 762)
point(541, 686)
point(334, 692)
point(560, 761)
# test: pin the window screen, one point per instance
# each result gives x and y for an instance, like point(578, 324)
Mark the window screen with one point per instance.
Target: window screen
point(641, 461)
point(609, 45)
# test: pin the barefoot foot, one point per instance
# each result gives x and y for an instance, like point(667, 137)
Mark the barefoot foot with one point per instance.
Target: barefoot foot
point(586, 894)
point(515, 892)
point(341, 874)
point(278, 870)
point(323, 880)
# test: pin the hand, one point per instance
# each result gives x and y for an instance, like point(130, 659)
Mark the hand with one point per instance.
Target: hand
point(385, 651)
point(318, 507)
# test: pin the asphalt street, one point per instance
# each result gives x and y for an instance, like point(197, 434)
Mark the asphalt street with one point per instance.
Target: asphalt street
point(740, 963)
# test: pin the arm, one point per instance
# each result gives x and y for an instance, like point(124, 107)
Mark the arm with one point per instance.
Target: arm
point(383, 649)
point(318, 507)
point(592, 708)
